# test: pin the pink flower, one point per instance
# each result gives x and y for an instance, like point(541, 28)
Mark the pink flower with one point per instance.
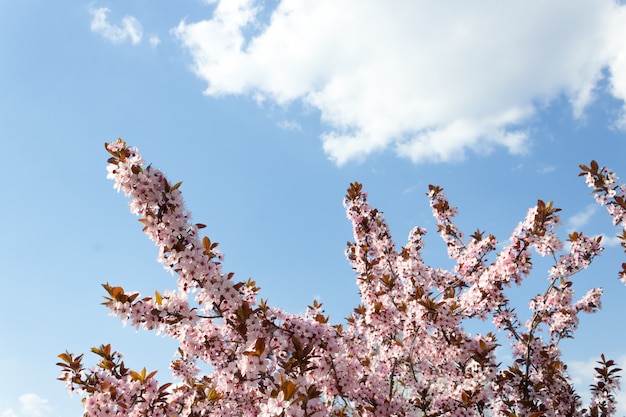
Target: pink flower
point(274, 406)
point(403, 351)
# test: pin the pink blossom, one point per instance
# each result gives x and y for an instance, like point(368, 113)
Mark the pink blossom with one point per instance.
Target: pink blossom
point(403, 351)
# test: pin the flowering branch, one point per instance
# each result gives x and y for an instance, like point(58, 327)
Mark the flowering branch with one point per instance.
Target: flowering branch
point(403, 350)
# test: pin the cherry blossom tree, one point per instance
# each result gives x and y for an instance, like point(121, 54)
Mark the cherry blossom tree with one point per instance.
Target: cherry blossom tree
point(402, 352)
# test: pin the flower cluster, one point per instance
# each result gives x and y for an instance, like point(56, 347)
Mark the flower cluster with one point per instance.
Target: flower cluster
point(402, 352)
point(611, 195)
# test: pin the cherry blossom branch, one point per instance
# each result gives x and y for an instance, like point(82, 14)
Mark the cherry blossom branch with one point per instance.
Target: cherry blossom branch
point(403, 351)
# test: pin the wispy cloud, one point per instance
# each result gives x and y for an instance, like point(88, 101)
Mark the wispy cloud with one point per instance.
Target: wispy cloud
point(580, 219)
point(608, 241)
point(33, 405)
point(289, 125)
point(430, 80)
point(546, 169)
point(30, 405)
point(130, 28)
point(154, 41)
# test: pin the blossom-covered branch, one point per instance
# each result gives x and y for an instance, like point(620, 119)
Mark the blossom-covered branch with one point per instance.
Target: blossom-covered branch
point(402, 352)
point(611, 195)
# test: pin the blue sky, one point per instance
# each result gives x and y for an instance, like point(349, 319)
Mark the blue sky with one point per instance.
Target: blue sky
point(267, 111)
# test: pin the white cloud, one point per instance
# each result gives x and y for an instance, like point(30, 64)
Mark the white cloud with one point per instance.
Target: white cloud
point(427, 79)
point(289, 125)
point(31, 405)
point(130, 29)
point(546, 169)
point(154, 41)
point(580, 219)
point(608, 241)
